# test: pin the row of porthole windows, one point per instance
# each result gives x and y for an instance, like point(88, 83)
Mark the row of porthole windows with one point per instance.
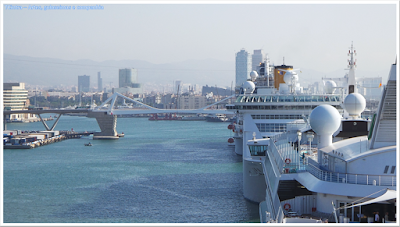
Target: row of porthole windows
point(278, 116)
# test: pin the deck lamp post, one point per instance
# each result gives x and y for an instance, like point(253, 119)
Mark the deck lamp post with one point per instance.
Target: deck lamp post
point(298, 145)
point(310, 136)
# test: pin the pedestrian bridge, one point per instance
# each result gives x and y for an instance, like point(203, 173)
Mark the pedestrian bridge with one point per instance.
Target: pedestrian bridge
point(106, 113)
point(110, 107)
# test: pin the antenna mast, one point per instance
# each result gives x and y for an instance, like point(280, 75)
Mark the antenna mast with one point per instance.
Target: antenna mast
point(352, 66)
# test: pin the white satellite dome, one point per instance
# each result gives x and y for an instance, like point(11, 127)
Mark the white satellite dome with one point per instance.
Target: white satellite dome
point(330, 86)
point(248, 87)
point(325, 119)
point(354, 104)
point(289, 76)
point(253, 75)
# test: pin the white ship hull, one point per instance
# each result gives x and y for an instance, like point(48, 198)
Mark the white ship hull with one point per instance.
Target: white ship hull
point(253, 181)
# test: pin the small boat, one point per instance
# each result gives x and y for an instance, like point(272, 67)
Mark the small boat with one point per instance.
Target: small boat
point(193, 118)
point(217, 118)
point(88, 144)
point(121, 135)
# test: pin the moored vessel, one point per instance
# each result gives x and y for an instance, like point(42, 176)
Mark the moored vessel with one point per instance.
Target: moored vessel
point(295, 166)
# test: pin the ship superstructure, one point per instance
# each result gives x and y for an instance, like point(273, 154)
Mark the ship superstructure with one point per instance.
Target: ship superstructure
point(287, 162)
point(343, 176)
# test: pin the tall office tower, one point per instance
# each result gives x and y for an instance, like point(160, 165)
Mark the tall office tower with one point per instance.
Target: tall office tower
point(128, 82)
point(243, 67)
point(83, 83)
point(99, 82)
point(178, 86)
point(127, 77)
point(257, 58)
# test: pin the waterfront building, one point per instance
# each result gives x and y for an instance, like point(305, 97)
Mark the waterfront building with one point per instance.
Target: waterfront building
point(243, 67)
point(83, 83)
point(15, 97)
point(99, 82)
point(191, 102)
point(258, 57)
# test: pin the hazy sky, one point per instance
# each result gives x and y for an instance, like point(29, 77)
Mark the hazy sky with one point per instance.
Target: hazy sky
point(315, 36)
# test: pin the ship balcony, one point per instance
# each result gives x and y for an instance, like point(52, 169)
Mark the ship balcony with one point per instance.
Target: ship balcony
point(292, 162)
point(311, 166)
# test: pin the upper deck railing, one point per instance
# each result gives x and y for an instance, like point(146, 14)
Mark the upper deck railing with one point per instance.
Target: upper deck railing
point(348, 178)
point(288, 160)
point(311, 166)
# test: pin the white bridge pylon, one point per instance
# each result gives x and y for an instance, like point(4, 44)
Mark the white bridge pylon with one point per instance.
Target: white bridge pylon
point(142, 108)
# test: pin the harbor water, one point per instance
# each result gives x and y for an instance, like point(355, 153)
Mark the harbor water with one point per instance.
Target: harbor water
point(160, 172)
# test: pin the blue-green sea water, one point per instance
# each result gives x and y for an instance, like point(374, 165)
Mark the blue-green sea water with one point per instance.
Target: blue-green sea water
point(160, 172)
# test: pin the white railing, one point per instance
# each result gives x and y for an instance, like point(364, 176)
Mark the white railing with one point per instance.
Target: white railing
point(349, 178)
point(282, 150)
point(272, 174)
point(276, 156)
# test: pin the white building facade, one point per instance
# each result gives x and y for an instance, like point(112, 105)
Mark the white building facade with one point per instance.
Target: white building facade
point(15, 97)
point(191, 102)
point(243, 67)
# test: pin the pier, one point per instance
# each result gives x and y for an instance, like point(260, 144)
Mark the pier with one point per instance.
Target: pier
point(33, 139)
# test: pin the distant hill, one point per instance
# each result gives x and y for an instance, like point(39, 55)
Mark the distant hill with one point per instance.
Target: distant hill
point(51, 72)
point(211, 72)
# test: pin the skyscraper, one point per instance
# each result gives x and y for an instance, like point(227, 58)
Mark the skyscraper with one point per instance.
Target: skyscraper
point(127, 77)
point(178, 87)
point(243, 67)
point(128, 82)
point(99, 82)
point(83, 83)
point(257, 58)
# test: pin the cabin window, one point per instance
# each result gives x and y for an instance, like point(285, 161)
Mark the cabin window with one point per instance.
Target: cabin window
point(257, 150)
point(386, 169)
point(393, 169)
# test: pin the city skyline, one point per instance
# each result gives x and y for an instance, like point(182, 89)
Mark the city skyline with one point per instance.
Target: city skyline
point(315, 36)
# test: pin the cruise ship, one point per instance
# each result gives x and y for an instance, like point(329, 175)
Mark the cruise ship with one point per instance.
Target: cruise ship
point(312, 154)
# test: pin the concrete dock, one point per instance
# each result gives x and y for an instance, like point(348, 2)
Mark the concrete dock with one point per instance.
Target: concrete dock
point(17, 139)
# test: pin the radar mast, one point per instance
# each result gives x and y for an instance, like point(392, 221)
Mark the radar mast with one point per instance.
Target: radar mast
point(352, 66)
